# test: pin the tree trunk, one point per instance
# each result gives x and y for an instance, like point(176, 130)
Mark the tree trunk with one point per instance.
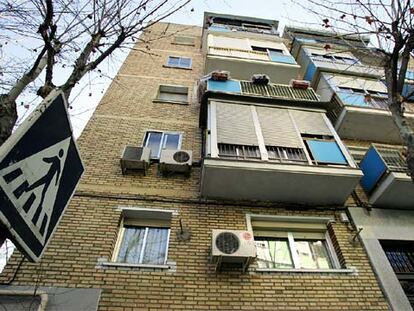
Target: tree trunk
point(8, 109)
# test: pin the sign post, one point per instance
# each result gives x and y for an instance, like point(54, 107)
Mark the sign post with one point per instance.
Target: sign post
point(40, 167)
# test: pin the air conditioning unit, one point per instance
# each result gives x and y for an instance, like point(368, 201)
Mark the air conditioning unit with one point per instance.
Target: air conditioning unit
point(135, 158)
point(234, 247)
point(177, 161)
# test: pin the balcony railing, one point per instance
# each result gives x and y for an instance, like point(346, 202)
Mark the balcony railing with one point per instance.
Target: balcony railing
point(253, 55)
point(239, 152)
point(362, 100)
point(283, 154)
point(270, 90)
point(327, 153)
point(340, 66)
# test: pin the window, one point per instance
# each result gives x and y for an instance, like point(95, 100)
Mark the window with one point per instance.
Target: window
point(157, 141)
point(179, 62)
point(143, 237)
point(292, 242)
point(268, 50)
point(335, 58)
point(184, 40)
point(400, 255)
point(172, 94)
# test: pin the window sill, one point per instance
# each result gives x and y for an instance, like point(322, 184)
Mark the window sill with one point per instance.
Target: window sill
point(173, 67)
point(131, 265)
point(188, 44)
point(161, 101)
point(333, 271)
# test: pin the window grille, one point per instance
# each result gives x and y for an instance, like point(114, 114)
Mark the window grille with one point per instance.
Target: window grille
point(238, 151)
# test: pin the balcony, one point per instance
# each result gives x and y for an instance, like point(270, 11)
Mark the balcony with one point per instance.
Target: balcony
point(334, 62)
point(243, 63)
point(385, 178)
point(357, 116)
point(274, 154)
point(269, 91)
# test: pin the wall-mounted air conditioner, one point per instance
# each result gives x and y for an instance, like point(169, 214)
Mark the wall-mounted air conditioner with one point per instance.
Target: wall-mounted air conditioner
point(177, 161)
point(135, 158)
point(232, 246)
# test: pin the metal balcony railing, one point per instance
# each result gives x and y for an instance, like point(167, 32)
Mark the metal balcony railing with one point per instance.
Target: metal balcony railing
point(239, 152)
point(393, 158)
point(277, 90)
point(270, 90)
point(284, 154)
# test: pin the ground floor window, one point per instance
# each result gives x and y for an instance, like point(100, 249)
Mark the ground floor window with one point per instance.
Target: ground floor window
point(292, 242)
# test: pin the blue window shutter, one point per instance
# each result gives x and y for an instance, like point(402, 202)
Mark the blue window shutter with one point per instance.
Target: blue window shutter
point(326, 152)
point(373, 168)
point(224, 86)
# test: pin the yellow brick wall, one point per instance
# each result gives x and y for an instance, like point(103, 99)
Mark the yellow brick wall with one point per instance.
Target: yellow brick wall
point(89, 228)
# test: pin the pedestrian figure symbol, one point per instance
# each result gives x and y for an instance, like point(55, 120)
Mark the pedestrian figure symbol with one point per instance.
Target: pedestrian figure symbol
point(35, 193)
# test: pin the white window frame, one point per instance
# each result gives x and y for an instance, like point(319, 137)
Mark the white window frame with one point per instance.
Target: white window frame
point(145, 213)
point(163, 141)
point(179, 62)
point(336, 266)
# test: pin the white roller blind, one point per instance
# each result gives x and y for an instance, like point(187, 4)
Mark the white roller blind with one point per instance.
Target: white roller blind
point(280, 229)
point(231, 43)
point(310, 122)
point(235, 125)
point(278, 128)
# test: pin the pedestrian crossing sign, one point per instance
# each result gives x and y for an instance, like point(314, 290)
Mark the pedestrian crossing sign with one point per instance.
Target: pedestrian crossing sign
point(40, 167)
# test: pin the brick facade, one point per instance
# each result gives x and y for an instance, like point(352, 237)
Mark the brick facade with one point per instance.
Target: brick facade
point(88, 231)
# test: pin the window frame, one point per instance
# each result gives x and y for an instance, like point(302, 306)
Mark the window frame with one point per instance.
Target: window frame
point(144, 214)
point(179, 66)
point(332, 255)
point(177, 91)
point(163, 141)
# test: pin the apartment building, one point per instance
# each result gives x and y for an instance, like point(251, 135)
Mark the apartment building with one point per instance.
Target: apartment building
point(216, 179)
point(352, 83)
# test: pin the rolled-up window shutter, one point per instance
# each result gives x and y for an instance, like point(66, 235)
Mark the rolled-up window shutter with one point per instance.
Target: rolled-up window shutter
point(280, 229)
point(278, 128)
point(235, 125)
point(310, 122)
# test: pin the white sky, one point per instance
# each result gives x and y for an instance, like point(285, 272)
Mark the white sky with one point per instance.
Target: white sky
point(283, 11)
